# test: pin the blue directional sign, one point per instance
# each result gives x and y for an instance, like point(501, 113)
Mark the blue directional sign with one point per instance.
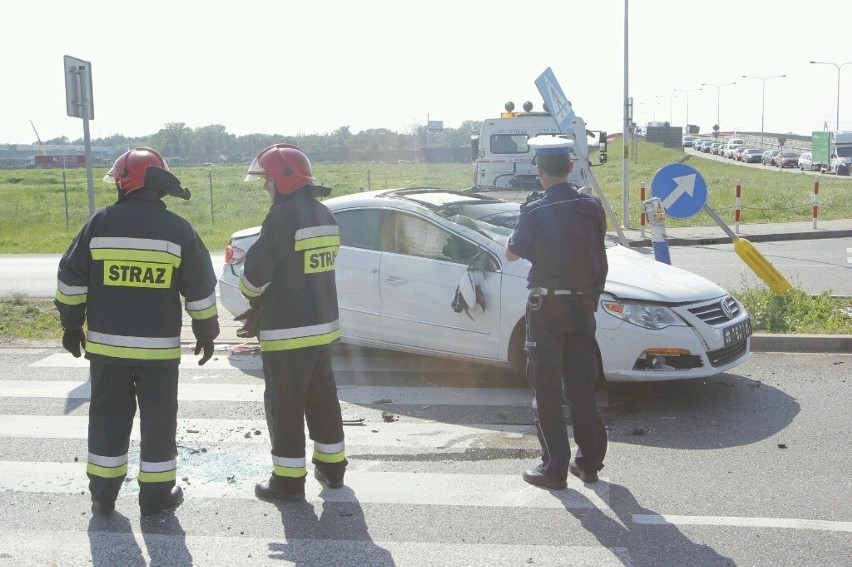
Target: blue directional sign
point(681, 190)
point(557, 103)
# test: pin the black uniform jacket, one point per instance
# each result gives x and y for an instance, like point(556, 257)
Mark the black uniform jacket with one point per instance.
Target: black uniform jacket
point(289, 274)
point(124, 275)
point(563, 236)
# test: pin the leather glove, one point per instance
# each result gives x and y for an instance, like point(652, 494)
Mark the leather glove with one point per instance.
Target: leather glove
point(73, 340)
point(207, 347)
point(251, 323)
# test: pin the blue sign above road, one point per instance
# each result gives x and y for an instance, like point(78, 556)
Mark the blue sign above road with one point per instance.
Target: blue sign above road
point(557, 103)
point(681, 190)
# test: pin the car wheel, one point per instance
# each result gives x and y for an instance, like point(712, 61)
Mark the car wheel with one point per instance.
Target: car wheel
point(517, 352)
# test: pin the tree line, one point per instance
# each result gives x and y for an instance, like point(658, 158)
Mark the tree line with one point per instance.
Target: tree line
point(214, 144)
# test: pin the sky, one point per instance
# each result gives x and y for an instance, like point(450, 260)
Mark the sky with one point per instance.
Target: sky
point(286, 67)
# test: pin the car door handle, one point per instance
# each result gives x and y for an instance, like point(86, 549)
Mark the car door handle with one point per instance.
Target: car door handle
point(393, 280)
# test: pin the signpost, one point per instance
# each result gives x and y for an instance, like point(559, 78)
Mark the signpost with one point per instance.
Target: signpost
point(79, 104)
point(559, 107)
point(683, 193)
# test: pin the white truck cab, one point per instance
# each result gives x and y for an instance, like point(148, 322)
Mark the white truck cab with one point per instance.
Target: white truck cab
point(503, 156)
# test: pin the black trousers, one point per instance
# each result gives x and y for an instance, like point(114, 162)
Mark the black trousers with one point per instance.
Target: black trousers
point(563, 355)
point(300, 388)
point(116, 389)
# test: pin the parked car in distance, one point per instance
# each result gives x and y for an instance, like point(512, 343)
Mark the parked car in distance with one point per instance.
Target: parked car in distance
point(405, 254)
point(769, 156)
point(688, 141)
point(751, 155)
point(715, 147)
point(706, 146)
point(806, 161)
point(698, 145)
point(737, 153)
point(787, 158)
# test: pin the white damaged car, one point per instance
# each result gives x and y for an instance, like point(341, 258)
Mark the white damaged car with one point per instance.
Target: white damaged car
point(409, 259)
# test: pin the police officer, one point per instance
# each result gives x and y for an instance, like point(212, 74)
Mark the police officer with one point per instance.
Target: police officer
point(123, 276)
point(289, 278)
point(562, 235)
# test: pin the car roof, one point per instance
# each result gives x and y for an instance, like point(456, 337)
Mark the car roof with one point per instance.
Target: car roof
point(443, 202)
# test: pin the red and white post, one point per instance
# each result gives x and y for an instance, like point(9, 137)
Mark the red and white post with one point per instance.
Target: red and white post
point(642, 200)
point(739, 205)
point(816, 199)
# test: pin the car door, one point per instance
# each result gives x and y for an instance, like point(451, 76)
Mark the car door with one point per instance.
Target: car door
point(420, 272)
point(357, 272)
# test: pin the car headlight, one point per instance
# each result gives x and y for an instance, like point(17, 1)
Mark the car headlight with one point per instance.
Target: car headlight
point(646, 316)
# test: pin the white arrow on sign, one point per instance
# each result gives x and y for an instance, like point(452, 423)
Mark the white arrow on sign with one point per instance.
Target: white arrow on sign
point(683, 184)
point(563, 107)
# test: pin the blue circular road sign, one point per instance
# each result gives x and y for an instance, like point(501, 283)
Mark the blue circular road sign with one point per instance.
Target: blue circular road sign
point(681, 190)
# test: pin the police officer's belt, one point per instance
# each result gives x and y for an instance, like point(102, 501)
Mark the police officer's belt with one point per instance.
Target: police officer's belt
point(546, 291)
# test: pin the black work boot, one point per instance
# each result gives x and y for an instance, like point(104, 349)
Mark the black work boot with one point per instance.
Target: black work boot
point(586, 475)
point(281, 488)
point(102, 508)
point(330, 475)
point(540, 477)
point(172, 500)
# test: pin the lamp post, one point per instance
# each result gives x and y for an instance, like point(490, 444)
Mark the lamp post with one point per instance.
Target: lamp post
point(670, 97)
point(838, 65)
point(762, 98)
point(654, 106)
point(687, 102)
point(718, 91)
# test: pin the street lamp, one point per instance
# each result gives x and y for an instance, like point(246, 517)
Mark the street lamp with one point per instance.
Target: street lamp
point(837, 125)
point(654, 106)
point(762, 98)
point(718, 90)
point(687, 102)
point(670, 97)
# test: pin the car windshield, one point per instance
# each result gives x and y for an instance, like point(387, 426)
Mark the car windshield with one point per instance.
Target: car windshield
point(789, 154)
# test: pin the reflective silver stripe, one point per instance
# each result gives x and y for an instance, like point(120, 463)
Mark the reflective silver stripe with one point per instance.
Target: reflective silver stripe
point(201, 303)
point(110, 462)
point(72, 289)
point(299, 332)
point(135, 244)
point(165, 466)
point(314, 231)
point(326, 448)
point(287, 462)
point(133, 342)
point(250, 286)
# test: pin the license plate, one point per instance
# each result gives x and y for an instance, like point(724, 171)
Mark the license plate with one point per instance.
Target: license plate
point(738, 332)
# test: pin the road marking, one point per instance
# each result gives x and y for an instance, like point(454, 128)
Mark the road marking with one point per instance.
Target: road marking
point(420, 435)
point(254, 393)
point(849, 257)
point(733, 521)
point(412, 488)
point(80, 548)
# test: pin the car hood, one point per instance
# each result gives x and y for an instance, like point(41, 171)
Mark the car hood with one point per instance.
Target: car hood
point(635, 276)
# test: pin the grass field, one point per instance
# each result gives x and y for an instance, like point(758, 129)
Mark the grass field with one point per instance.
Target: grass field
point(34, 217)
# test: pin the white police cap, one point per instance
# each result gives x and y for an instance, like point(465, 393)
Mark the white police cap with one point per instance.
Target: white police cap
point(551, 146)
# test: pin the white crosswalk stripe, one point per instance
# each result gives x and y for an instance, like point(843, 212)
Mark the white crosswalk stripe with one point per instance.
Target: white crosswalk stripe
point(402, 467)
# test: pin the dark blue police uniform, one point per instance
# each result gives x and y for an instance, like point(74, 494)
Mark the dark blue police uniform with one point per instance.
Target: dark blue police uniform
point(562, 235)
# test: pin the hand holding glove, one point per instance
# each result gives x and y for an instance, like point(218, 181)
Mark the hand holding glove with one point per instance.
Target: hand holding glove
point(207, 347)
point(73, 340)
point(251, 323)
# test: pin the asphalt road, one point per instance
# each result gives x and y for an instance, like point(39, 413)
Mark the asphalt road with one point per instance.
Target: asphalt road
point(744, 469)
point(816, 266)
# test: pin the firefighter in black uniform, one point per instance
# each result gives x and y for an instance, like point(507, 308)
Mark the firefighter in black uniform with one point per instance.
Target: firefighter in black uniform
point(562, 235)
point(288, 279)
point(123, 276)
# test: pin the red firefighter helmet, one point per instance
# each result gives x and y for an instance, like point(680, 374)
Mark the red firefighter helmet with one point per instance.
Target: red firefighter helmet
point(128, 171)
point(286, 165)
